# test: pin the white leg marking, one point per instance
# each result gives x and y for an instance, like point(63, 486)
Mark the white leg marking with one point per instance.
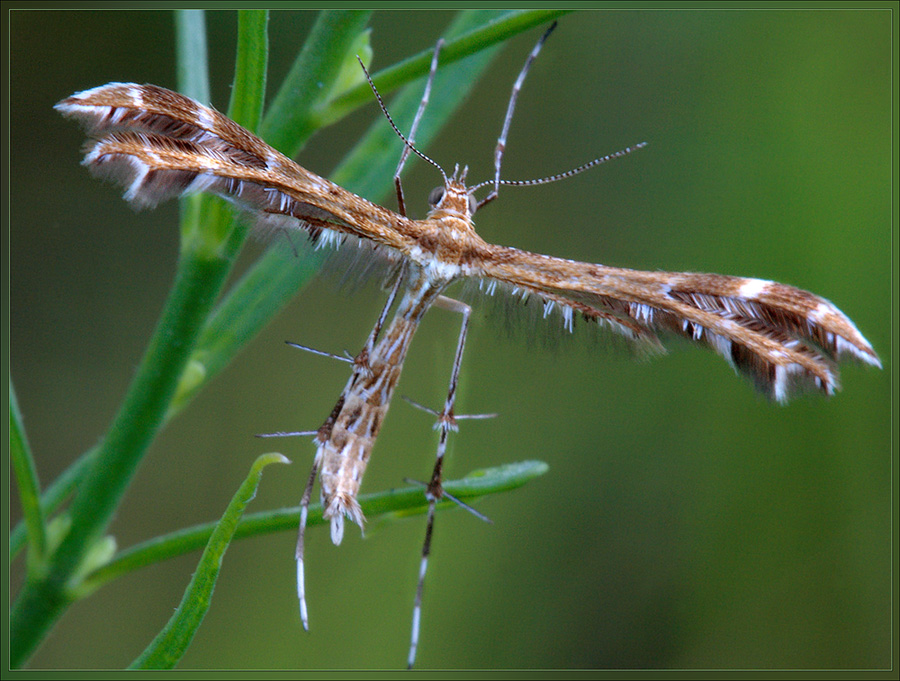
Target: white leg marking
point(301, 577)
point(417, 615)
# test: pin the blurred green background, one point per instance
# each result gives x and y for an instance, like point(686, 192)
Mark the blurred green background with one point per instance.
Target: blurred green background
point(685, 522)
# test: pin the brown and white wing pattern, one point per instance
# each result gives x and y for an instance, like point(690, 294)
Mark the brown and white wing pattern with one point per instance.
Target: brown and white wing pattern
point(160, 145)
point(783, 338)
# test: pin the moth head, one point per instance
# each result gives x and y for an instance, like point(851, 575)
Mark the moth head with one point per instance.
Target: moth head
point(453, 197)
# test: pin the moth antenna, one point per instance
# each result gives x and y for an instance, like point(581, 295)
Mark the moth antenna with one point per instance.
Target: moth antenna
point(409, 145)
point(501, 141)
point(562, 176)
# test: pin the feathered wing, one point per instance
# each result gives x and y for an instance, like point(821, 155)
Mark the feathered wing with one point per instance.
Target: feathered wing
point(783, 338)
point(161, 145)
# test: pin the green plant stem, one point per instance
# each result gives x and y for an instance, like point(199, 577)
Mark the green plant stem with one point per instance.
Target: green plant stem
point(287, 124)
point(42, 601)
point(191, 54)
point(406, 501)
point(250, 72)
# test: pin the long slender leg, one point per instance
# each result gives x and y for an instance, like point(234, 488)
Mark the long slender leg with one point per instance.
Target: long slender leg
point(304, 512)
point(361, 361)
point(360, 366)
point(341, 358)
point(501, 142)
point(301, 533)
point(434, 491)
point(401, 205)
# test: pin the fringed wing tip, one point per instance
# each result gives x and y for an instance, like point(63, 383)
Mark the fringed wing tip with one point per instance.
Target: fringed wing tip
point(789, 342)
point(781, 383)
point(786, 341)
point(99, 107)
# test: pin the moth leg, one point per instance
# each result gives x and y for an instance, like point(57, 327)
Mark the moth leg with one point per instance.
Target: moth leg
point(360, 366)
point(501, 141)
point(401, 205)
point(341, 358)
point(361, 361)
point(304, 512)
point(434, 491)
point(301, 533)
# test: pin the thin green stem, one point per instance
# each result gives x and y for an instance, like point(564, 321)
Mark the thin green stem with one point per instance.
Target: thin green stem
point(53, 497)
point(191, 54)
point(248, 91)
point(287, 123)
point(193, 80)
point(388, 504)
point(201, 274)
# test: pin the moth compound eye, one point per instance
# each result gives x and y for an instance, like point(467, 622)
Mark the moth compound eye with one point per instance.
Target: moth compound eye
point(436, 196)
point(473, 204)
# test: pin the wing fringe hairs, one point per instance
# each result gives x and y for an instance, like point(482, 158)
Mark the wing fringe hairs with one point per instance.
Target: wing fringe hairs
point(160, 145)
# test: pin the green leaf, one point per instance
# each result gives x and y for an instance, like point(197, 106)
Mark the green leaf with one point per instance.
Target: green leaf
point(350, 75)
point(53, 497)
point(169, 645)
point(490, 29)
point(28, 487)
